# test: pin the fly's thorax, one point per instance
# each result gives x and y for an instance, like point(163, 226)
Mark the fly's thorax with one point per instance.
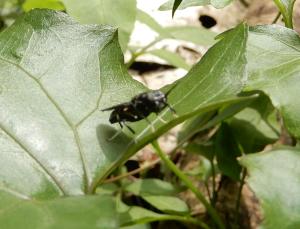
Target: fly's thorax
point(158, 99)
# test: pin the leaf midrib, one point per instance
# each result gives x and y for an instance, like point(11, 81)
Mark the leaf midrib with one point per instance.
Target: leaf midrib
point(69, 123)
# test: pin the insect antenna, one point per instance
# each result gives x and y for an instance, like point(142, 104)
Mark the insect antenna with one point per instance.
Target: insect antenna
point(166, 94)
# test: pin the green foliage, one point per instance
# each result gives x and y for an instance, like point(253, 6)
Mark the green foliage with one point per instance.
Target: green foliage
point(95, 212)
point(151, 187)
point(274, 177)
point(286, 9)
point(227, 150)
point(56, 75)
point(159, 194)
point(120, 13)
point(273, 66)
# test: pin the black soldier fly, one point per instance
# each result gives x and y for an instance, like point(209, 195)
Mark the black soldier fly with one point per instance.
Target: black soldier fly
point(140, 107)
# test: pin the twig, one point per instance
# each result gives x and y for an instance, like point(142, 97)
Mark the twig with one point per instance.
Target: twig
point(113, 179)
point(276, 18)
point(142, 51)
point(238, 201)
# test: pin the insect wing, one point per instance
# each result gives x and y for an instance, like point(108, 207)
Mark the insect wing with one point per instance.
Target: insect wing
point(116, 107)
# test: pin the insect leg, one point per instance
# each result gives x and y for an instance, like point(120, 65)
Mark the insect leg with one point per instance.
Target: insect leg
point(129, 128)
point(120, 123)
point(172, 109)
point(117, 132)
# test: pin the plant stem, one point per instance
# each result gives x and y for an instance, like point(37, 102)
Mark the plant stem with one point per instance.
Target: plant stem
point(142, 51)
point(214, 192)
point(208, 191)
point(113, 179)
point(212, 212)
point(238, 201)
point(276, 18)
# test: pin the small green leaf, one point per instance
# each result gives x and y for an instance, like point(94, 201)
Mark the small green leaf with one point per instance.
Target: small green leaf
point(119, 13)
point(275, 178)
point(167, 204)
point(171, 58)
point(286, 8)
point(227, 151)
point(256, 126)
point(94, 212)
point(137, 215)
point(151, 187)
point(203, 171)
point(205, 150)
point(109, 188)
point(48, 4)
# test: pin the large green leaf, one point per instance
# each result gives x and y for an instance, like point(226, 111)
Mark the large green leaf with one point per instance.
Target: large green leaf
point(94, 212)
point(273, 65)
point(120, 13)
point(275, 178)
point(51, 85)
point(50, 94)
point(188, 3)
point(286, 8)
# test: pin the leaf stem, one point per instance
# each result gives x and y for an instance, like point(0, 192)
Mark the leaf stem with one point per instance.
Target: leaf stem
point(133, 172)
point(212, 212)
point(142, 51)
point(238, 201)
point(276, 18)
point(214, 192)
